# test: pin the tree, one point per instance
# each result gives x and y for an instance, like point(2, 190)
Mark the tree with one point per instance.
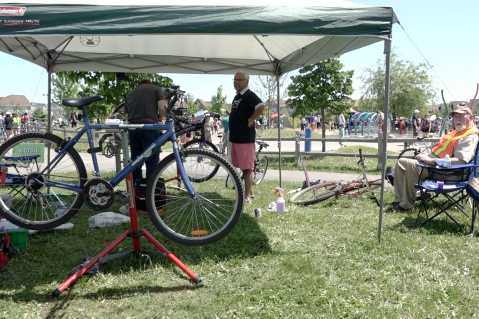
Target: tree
point(410, 88)
point(113, 89)
point(218, 101)
point(38, 114)
point(190, 103)
point(267, 89)
point(320, 87)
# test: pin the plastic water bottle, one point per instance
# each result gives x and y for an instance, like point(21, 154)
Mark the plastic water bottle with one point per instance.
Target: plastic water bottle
point(444, 162)
point(280, 205)
point(448, 160)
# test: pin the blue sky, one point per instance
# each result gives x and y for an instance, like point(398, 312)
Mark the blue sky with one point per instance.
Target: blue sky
point(445, 31)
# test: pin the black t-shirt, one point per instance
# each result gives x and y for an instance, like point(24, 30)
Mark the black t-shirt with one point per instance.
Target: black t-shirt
point(242, 108)
point(142, 103)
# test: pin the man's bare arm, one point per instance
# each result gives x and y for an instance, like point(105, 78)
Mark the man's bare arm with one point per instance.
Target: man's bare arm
point(257, 113)
point(162, 107)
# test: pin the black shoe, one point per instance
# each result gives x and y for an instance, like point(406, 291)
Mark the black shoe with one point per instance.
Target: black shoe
point(390, 175)
point(398, 207)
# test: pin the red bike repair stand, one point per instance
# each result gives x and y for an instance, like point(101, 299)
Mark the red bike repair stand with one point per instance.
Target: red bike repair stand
point(135, 233)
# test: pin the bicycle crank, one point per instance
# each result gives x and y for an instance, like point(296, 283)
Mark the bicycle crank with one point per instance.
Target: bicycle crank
point(99, 193)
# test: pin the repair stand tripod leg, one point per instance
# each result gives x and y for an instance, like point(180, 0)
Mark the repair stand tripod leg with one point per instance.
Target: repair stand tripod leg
point(134, 232)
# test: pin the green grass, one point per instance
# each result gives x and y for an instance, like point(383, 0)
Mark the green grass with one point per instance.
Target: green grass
point(319, 261)
point(332, 163)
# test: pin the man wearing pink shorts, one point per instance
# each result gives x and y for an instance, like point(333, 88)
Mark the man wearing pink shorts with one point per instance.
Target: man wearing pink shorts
point(245, 109)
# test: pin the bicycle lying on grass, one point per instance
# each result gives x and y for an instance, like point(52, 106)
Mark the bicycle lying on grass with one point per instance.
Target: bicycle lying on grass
point(313, 192)
point(47, 183)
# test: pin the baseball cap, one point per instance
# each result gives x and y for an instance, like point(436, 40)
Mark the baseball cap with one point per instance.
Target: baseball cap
point(461, 108)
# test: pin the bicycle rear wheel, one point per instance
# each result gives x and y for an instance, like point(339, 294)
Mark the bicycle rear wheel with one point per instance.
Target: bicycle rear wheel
point(38, 193)
point(314, 194)
point(194, 220)
point(260, 168)
point(203, 145)
point(109, 143)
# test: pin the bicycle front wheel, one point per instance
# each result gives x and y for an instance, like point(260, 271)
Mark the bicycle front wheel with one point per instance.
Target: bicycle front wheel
point(203, 145)
point(314, 194)
point(260, 168)
point(200, 218)
point(37, 192)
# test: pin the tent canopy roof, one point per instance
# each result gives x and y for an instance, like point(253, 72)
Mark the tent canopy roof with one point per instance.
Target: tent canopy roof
point(188, 39)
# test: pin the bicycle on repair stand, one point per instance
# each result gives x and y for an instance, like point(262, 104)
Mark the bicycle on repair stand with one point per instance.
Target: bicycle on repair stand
point(44, 183)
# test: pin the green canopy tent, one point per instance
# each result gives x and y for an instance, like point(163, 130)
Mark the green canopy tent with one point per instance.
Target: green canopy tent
point(185, 37)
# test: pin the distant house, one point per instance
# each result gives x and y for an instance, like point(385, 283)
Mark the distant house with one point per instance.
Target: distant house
point(15, 104)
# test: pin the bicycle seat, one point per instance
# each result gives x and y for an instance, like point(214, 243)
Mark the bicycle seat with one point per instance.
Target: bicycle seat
point(262, 143)
point(84, 101)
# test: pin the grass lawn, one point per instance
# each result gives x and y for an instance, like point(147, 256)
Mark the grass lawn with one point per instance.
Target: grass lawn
point(320, 261)
point(332, 163)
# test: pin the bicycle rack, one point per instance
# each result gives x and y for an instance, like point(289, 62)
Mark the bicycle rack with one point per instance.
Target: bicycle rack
point(135, 233)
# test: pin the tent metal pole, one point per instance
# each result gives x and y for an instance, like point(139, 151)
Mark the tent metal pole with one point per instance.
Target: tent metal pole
point(387, 79)
point(279, 130)
point(49, 102)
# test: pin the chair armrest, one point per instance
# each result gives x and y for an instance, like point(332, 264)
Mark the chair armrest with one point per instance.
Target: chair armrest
point(450, 168)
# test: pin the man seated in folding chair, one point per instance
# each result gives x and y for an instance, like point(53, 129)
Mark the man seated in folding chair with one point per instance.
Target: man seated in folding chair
point(455, 149)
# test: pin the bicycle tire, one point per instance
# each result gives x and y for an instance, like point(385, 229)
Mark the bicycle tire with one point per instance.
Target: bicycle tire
point(410, 152)
point(211, 214)
point(23, 188)
point(260, 169)
point(360, 188)
point(314, 194)
point(206, 145)
point(106, 146)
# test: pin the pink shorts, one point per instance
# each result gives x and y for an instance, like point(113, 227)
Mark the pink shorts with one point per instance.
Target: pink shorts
point(243, 155)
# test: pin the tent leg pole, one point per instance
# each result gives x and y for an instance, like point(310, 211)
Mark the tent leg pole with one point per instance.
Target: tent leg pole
point(279, 131)
point(49, 102)
point(383, 155)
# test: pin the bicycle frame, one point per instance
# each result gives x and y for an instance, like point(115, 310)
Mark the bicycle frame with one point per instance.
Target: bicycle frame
point(168, 135)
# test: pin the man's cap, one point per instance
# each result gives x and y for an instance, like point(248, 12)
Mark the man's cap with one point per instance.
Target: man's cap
point(461, 108)
point(416, 111)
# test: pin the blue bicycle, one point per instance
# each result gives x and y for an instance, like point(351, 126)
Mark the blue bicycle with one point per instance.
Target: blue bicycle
point(44, 182)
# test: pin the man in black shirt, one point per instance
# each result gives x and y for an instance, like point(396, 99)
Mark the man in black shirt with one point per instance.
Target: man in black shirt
point(145, 105)
point(245, 109)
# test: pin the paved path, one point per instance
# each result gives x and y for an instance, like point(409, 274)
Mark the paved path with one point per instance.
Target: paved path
point(298, 176)
point(108, 164)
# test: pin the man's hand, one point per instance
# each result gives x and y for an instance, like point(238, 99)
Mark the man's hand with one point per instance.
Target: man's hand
point(251, 122)
point(426, 159)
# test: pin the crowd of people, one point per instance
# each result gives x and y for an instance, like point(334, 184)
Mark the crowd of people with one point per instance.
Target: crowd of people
point(12, 124)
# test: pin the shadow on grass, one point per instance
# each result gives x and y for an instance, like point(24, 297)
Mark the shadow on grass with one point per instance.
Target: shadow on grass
point(52, 256)
point(439, 225)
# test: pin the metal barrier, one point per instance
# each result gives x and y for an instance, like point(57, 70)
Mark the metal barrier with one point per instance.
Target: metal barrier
point(407, 142)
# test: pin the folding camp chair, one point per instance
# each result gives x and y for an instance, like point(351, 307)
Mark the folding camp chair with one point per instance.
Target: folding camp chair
point(449, 184)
